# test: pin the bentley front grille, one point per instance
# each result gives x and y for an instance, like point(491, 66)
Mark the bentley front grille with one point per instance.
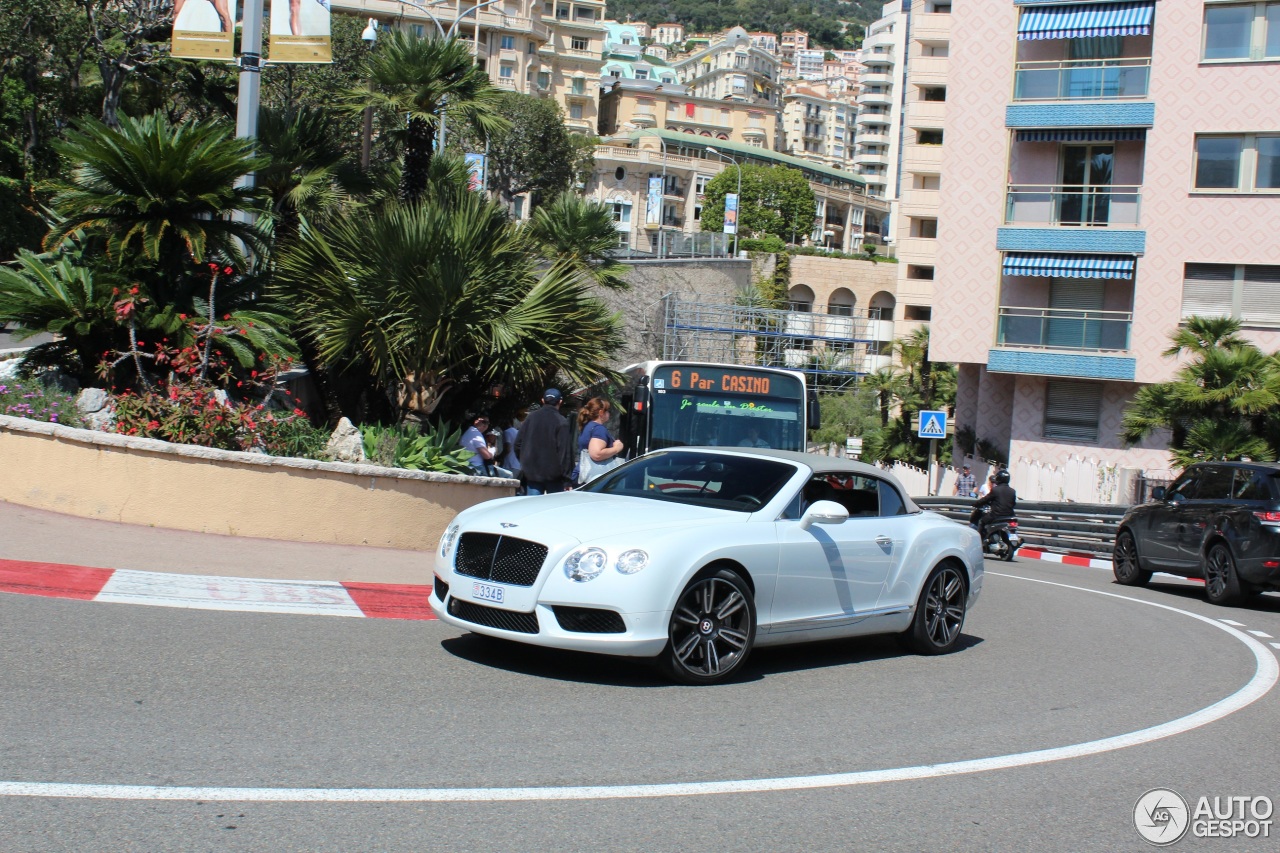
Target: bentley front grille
point(502, 559)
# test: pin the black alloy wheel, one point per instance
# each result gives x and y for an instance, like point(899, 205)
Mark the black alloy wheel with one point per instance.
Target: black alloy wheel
point(712, 630)
point(1124, 562)
point(1221, 583)
point(940, 612)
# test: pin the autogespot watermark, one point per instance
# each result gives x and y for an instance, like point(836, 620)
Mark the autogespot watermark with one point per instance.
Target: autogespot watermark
point(1163, 817)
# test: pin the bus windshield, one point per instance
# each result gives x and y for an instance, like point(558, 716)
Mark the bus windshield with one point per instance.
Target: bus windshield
point(719, 407)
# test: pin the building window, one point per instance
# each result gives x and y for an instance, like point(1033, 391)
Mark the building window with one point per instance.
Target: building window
point(621, 213)
point(575, 111)
point(917, 313)
point(1248, 292)
point(544, 80)
point(531, 47)
point(578, 43)
point(933, 93)
point(926, 228)
point(579, 86)
point(697, 213)
point(1244, 162)
point(1245, 31)
point(922, 273)
point(1072, 410)
point(929, 137)
point(508, 43)
point(700, 184)
point(506, 72)
point(620, 174)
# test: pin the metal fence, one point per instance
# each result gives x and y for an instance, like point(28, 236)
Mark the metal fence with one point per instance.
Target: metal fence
point(1083, 528)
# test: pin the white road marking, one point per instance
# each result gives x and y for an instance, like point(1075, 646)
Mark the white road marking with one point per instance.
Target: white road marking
point(1275, 645)
point(206, 592)
point(1262, 634)
point(1265, 676)
point(1231, 622)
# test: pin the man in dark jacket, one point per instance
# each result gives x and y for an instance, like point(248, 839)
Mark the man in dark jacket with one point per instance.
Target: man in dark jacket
point(1002, 499)
point(544, 446)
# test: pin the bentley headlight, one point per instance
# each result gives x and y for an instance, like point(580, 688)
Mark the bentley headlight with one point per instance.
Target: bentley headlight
point(585, 564)
point(446, 541)
point(632, 561)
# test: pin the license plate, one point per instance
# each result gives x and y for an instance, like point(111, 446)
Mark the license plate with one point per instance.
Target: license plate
point(487, 592)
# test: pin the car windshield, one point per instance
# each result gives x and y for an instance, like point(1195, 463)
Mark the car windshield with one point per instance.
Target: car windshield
point(739, 483)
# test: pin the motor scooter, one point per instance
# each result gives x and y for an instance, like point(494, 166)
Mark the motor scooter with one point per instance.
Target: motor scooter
point(1000, 537)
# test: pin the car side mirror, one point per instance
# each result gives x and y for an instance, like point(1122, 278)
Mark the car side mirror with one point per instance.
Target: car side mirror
point(1157, 494)
point(823, 512)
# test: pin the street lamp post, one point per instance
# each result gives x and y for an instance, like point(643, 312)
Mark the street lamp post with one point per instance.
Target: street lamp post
point(370, 35)
point(737, 226)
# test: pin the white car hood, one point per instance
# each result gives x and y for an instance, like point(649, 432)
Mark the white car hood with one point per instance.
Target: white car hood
point(586, 516)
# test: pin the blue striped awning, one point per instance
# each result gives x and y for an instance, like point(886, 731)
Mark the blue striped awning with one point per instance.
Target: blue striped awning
point(1136, 134)
point(1069, 266)
point(1085, 21)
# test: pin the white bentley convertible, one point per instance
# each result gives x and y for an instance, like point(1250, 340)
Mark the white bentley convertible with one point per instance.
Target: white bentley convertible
point(696, 555)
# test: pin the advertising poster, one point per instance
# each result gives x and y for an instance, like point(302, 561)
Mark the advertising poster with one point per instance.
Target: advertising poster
point(204, 29)
point(731, 213)
point(475, 171)
point(653, 209)
point(299, 31)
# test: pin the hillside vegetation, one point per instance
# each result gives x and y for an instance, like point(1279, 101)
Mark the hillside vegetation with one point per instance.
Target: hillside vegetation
point(836, 24)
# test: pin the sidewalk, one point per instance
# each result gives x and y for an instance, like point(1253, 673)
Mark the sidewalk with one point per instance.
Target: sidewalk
point(47, 537)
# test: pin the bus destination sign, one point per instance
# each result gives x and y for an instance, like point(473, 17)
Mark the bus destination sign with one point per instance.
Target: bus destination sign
point(712, 381)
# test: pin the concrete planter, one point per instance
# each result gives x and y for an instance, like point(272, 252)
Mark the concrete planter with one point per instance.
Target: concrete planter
point(182, 487)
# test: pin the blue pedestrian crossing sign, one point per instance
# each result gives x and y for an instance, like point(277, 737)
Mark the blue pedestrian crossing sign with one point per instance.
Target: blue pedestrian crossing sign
point(933, 424)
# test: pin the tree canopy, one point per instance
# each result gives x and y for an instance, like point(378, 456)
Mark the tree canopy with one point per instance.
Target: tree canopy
point(775, 200)
point(830, 23)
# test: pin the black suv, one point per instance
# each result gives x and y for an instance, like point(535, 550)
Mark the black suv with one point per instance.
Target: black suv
point(1219, 521)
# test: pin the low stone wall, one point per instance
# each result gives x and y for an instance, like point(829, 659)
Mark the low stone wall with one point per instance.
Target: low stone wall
point(148, 482)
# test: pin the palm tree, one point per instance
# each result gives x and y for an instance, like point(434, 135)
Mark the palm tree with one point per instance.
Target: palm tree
point(422, 77)
point(163, 191)
point(305, 178)
point(55, 295)
point(582, 233)
point(1224, 402)
point(888, 386)
point(453, 293)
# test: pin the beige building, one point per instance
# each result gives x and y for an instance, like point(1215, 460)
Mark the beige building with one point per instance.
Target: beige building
point(624, 166)
point(668, 33)
point(915, 219)
point(817, 124)
point(790, 42)
point(546, 48)
point(732, 68)
point(627, 105)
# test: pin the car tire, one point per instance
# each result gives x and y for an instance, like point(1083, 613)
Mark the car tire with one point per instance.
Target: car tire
point(1124, 562)
point(712, 629)
point(1221, 582)
point(940, 612)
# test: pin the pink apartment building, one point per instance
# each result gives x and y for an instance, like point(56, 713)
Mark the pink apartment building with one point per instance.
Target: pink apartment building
point(1110, 168)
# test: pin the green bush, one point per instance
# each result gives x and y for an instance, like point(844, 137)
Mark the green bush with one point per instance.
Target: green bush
point(769, 243)
point(435, 449)
point(31, 398)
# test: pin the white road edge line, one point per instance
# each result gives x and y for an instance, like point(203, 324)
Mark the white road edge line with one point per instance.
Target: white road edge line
point(1231, 622)
point(1263, 634)
point(1264, 678)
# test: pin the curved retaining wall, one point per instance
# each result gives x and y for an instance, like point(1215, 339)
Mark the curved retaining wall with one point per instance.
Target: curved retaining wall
point(144, 481)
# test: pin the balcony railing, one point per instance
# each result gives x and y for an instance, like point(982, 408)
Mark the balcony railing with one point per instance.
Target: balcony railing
point(1081, 79)
point(1113, 206)
point(1063, 328)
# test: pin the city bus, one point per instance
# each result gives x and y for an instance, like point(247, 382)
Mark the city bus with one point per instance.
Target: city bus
point(680, 403)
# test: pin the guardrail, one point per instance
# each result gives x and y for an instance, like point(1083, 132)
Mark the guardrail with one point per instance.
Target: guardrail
point(1085, 528)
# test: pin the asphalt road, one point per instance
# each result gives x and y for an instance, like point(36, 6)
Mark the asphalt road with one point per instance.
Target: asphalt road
point(127, 695)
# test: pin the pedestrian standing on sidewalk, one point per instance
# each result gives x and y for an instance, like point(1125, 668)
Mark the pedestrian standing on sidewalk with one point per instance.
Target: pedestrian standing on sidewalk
point(966, 484)
point(546, 447)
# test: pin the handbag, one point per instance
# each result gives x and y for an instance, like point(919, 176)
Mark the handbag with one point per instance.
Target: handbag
point(589, 469)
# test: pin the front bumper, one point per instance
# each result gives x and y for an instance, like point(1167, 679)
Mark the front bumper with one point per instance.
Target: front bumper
point(645, 634)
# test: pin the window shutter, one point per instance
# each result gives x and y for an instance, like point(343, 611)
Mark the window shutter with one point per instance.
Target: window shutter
point(1072, 411)
point(1206, 290)
point(1260, 301)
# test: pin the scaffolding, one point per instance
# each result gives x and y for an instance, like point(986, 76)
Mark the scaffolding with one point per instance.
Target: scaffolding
point(833, 350)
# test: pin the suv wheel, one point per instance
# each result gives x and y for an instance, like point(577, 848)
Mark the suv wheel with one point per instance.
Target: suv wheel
point(1125, 564)
point(1221, 583)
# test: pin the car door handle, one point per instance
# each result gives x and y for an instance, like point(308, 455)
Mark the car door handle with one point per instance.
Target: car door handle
point(883, 540)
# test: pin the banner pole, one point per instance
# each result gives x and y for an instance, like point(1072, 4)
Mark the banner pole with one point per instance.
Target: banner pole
point(250, 81)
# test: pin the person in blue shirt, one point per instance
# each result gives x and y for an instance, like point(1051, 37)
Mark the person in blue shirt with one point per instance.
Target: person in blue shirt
point(594, 438)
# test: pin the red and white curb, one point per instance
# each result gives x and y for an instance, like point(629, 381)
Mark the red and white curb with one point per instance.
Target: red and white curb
point(207, 592)
point(1068, 559)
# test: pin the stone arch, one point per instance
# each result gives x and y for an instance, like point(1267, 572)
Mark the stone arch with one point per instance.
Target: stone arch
point(884, 301)
point(842, 302)
point(800, 298)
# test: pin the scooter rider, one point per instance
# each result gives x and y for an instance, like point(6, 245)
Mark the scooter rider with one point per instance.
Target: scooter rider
point(1001, 499)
